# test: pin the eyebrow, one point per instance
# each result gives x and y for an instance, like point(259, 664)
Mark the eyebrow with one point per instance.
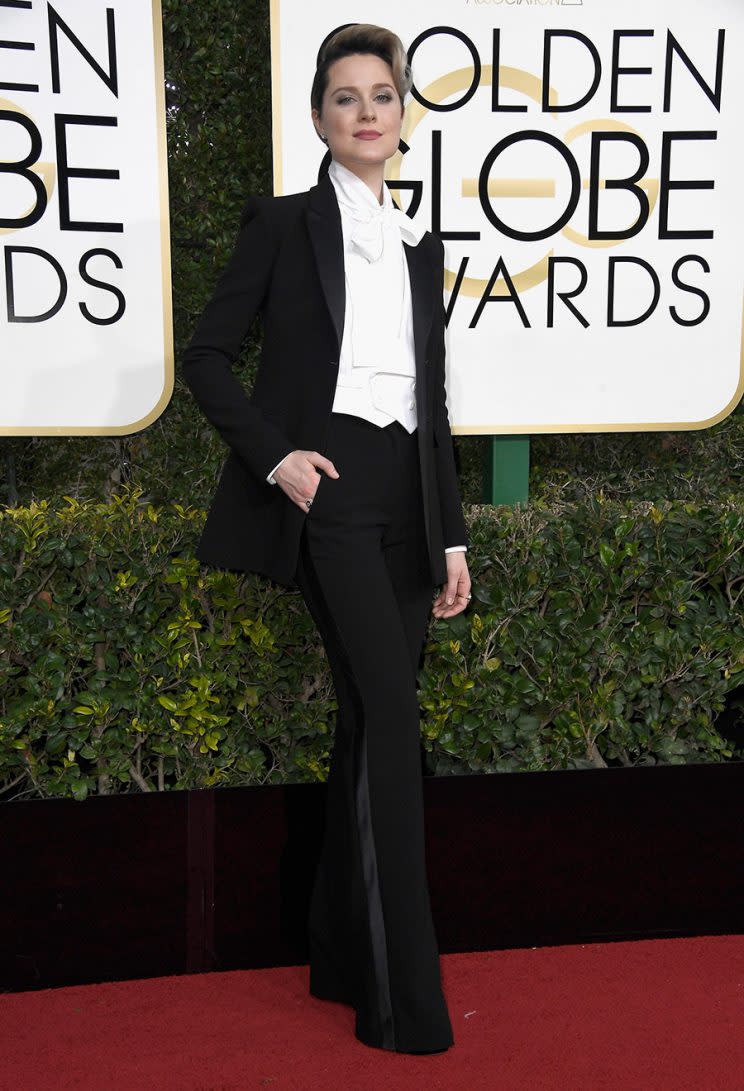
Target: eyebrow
point(352, 88)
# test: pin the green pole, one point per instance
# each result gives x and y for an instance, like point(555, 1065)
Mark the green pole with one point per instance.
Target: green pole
point(507, 470)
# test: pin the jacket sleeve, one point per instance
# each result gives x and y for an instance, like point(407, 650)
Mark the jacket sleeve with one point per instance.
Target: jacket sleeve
point(453, 520)
point(216, 342)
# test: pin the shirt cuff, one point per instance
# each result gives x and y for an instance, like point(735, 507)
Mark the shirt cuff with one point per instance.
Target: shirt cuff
point(456, 549)
point(270, 477)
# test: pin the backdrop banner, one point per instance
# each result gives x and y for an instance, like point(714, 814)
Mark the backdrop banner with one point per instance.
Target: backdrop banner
point(86, 341)
point(582, 163)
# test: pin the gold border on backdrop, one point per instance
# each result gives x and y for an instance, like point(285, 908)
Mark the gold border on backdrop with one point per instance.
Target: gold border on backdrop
point(165, 259)
point(487, 429)
point(276, 99)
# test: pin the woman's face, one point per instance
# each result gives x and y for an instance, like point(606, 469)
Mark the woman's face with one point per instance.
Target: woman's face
point(360, 99)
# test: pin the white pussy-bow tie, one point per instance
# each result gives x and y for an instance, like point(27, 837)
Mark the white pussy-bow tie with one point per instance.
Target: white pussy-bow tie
point(367, 232)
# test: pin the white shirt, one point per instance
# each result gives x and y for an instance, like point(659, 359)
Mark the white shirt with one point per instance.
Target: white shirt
point(376, 376)
point(377, 364)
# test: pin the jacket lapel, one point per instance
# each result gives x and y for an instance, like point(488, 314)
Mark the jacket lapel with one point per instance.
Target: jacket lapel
point(324, 226)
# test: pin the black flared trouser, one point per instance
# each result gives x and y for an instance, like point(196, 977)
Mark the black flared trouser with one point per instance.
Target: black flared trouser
point(364, 574)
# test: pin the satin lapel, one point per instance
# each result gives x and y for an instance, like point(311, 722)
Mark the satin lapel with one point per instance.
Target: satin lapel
point(324, 226)
point(422, 297)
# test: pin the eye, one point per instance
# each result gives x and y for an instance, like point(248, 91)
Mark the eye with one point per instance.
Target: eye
point(385, 96)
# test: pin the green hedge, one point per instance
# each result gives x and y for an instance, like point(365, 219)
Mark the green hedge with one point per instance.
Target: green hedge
point(600, 633)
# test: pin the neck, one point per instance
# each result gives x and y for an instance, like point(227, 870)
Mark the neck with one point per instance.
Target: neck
point(372, 174)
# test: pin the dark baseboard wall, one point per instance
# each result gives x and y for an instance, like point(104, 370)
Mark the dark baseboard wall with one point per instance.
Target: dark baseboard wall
point(126, 886)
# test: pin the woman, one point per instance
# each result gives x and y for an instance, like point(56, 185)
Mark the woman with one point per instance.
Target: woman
point(341, 480)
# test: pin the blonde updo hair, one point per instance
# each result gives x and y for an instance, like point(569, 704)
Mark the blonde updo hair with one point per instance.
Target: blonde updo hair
point(362, 38)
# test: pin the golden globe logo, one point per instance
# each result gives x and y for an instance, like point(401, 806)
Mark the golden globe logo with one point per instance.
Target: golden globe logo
point(582, 166)
point(591, 170)
point(85, 318)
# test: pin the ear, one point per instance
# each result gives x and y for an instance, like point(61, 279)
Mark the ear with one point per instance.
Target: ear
point(314, 118)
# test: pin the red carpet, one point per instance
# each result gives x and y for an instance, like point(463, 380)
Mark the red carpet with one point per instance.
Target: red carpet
point(648, 1015)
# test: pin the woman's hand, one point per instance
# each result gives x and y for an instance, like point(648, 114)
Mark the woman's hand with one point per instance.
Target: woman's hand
point(453, 598)
point(299, 478)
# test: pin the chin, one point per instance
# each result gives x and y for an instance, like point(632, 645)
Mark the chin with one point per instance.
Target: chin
point(374, 151)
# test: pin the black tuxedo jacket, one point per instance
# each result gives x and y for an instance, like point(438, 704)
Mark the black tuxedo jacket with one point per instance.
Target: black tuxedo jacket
point(288, 266)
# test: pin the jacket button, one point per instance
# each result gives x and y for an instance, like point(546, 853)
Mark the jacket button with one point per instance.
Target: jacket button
point(334, 363)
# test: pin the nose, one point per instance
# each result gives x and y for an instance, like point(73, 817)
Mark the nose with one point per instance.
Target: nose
point(368, 110)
